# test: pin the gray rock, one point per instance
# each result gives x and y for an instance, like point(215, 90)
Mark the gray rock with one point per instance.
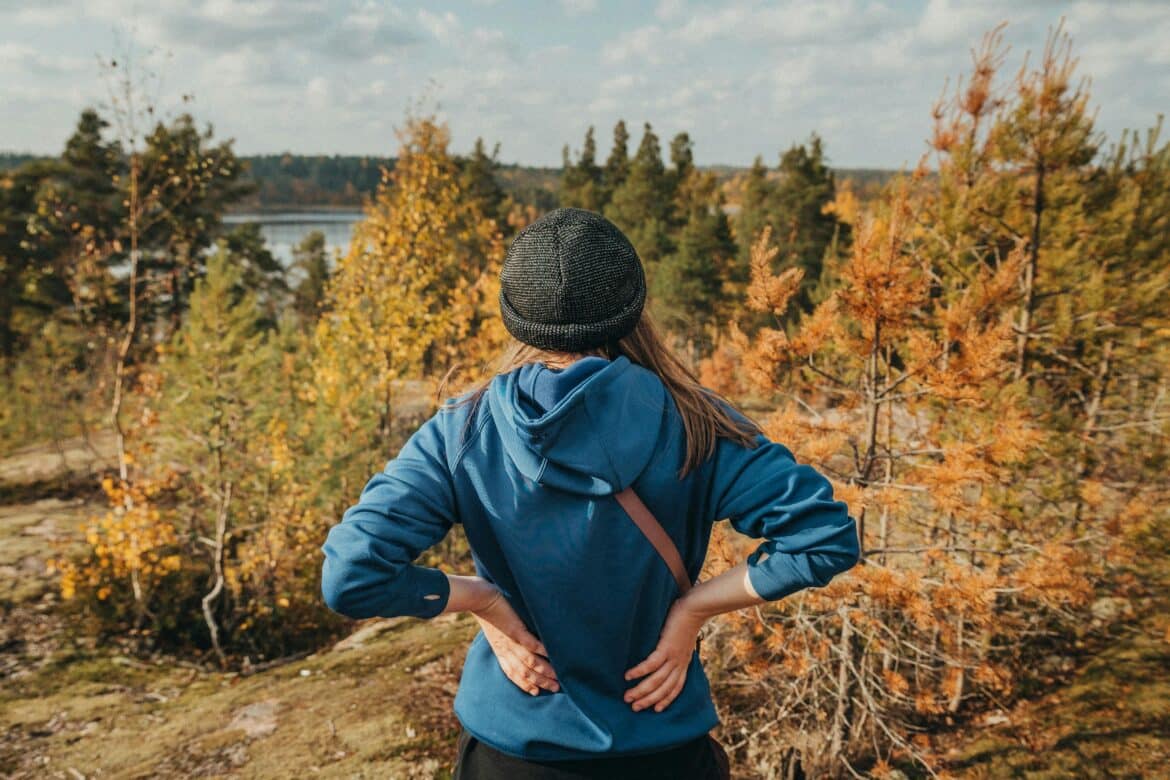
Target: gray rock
point(256, 720)
point(1110, 608)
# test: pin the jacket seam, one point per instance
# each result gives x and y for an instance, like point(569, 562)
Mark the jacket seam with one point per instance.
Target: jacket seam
point(604, 444)
point(470, 440)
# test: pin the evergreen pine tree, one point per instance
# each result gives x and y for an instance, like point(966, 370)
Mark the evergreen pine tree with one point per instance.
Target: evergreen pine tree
point(24, 263)
point(688, 288)
point(570, 187)
point(214, 378)
point(72, 217)
point(805, 230)
point(185, 184)
point(91, 165)
point(311, 260)
point(617, 165)
point(642, 206)
point(751, 219)
point(581, 182)
point(682, 162)
point(478, 180)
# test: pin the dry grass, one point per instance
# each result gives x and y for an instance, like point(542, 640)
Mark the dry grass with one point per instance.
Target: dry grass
point(379, 703)
point(1108, 718)
point(378, 710)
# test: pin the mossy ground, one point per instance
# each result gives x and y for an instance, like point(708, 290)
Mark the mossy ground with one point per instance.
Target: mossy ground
point(381, 709)
point(1109, 718)
point(378, 705)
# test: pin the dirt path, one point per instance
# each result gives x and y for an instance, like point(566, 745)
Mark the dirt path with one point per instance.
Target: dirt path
point(45, 495)
point(57, 462)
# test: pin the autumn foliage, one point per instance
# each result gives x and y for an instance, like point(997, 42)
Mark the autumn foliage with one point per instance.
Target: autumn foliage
point(250, 438)
point(899, 388)
point(416, 294)
point(935, 385)
point(979, 366)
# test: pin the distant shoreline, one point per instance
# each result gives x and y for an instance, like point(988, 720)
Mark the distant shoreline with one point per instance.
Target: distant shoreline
point(292, 215)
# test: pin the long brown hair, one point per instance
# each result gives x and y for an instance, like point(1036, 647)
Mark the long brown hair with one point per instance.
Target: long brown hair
point(704, 420)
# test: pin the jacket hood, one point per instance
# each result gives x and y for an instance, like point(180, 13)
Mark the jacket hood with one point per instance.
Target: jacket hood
point(590, 428)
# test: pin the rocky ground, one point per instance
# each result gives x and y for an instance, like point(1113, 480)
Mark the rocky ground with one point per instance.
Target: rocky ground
point(1106, 710)
point(378, 704)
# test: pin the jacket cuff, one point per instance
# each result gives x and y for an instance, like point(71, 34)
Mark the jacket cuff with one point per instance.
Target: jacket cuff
point(426, 583)
point(775, 577)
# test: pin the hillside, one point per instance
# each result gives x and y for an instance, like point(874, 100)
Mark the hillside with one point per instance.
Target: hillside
point(375, 705)
point(378, 704)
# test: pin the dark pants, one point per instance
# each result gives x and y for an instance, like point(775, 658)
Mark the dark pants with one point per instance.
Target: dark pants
point(699, 759)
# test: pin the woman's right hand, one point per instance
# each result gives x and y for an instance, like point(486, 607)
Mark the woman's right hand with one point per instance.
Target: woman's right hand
point(521, 655)
point(667, 665)
point(665, 669)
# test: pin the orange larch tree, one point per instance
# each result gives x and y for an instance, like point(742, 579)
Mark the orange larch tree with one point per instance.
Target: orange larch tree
point(900, 387)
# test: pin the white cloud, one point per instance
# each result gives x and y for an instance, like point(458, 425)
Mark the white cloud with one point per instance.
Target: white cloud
point(742, 76)
point(830, 22)
point(670, 9)
point(318, 92)
point(484, 36)
point(578, 7)
point(442, 26)
point(371, 30)
point(948, 22)
point(44, 14)
point(20, 60)
point(648, 44)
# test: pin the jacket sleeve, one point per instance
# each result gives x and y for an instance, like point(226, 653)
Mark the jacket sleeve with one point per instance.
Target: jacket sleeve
point(403, 510)
point(764, 493)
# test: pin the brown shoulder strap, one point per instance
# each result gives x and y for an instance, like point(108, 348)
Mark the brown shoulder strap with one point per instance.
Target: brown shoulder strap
point(658, 537)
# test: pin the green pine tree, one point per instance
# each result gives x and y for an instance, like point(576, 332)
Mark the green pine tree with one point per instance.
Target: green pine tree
point(91, 167)
point(688, 288)
point(643, 205)
point(477, 178)
point(617, 165)
point(215, 378)
point(581, 182)
point(63, 213)
point(186, 183)
point(804, 230)
point(751, 218)
point(682, 162)
point(311, 260)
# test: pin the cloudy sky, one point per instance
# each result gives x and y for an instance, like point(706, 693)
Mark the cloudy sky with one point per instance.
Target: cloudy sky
point(743, 78)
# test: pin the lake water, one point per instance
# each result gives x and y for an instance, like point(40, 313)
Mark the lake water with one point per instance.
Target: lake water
point(284, 230)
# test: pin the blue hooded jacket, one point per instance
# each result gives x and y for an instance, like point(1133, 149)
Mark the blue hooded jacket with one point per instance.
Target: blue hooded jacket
point(530, 472)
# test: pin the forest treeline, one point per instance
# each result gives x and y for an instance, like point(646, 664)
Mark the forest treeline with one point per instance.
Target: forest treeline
point(977, 353)
point(299, 181)
point(291, 181)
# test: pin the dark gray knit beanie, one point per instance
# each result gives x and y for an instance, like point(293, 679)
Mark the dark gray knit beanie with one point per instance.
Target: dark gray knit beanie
point(571, 281)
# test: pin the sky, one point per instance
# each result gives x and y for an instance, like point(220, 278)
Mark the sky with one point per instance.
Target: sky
point(743, 78)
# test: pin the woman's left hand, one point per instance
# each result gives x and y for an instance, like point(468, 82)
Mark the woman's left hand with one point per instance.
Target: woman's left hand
point(521, 655)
